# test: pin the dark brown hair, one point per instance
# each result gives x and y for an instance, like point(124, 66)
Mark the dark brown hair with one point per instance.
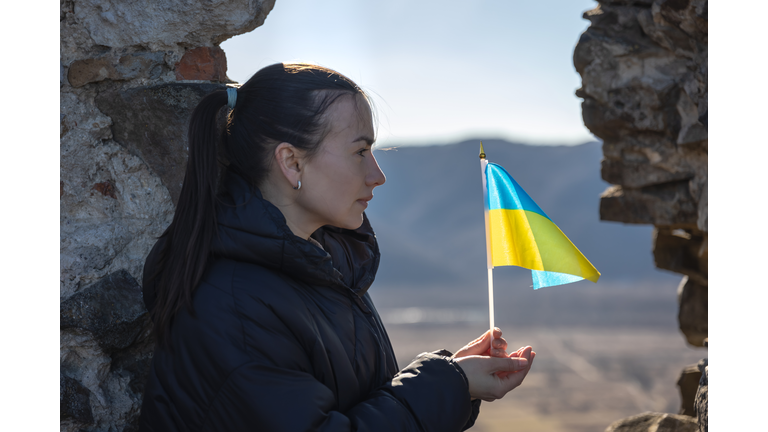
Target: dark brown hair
point(284, 102)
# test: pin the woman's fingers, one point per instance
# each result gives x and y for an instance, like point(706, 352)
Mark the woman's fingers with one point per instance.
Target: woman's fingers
point(500, 343)
point(507, 364)
point(526, 352)
point(499, 348)
point(496, 353)
point(519, 352)
point(478, 346)
point(482, 346)
point(522, 352)
point(482, 374)
point(514, 379)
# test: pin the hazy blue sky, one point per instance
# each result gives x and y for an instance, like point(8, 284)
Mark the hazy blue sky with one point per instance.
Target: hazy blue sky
point(439, 71)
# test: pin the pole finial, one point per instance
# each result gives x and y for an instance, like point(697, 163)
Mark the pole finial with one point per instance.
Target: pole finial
point(482, 152)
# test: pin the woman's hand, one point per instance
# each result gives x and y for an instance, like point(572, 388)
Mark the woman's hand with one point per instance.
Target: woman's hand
point(482, 346)
point(525, 352)
point(491, 378)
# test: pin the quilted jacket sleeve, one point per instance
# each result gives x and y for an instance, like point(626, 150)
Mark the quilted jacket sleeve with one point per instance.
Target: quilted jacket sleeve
point(428, 395)
point(277, 388)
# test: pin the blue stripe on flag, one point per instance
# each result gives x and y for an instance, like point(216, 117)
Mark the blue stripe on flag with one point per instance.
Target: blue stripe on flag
point(505, 193)
point(543, 279)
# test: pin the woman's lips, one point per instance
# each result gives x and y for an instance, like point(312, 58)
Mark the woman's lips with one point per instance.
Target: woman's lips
point(364, 201)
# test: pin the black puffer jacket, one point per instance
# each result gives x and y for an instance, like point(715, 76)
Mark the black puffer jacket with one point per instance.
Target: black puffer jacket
point(285, 337)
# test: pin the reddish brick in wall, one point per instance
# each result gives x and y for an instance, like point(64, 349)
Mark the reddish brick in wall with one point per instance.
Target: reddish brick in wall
point(204, 63)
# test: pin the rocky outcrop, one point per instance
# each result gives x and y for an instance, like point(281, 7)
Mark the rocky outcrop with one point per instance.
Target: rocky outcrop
point(688, 383)
point(110, 310)
point(74, 401)
point(643, 66)
point(644, 84)
point(654, 422)
point(693, 316)
point(701, 401)
point(130, 74)
point(151, 123)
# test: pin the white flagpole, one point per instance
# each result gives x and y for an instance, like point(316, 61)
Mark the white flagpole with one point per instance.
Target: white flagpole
point(489, 260)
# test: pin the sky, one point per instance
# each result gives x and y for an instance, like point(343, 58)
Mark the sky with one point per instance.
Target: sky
point(438, 71)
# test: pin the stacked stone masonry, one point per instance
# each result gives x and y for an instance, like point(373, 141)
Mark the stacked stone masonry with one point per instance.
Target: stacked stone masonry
point(654, 422)
point(643, 65)
point(130, 75)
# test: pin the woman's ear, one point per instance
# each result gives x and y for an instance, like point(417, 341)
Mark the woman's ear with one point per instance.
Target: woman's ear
point(289, 159)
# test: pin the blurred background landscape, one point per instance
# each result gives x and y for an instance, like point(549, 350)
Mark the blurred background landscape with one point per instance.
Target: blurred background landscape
point(605, 351)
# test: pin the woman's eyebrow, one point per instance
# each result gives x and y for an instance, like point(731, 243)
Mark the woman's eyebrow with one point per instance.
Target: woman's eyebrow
point(365, 138)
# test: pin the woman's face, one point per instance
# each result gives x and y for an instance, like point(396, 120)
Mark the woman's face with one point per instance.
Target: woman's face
point(338, 181)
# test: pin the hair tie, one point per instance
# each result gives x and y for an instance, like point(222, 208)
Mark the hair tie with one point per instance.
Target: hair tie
point(231, 97)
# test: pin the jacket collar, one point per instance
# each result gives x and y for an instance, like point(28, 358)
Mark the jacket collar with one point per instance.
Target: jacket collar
point(252, 229)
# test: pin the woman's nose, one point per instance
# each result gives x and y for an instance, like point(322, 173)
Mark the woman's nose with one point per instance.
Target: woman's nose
point(376, 176)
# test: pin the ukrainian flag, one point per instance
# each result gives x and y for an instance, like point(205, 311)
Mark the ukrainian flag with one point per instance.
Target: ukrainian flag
point(522, 235)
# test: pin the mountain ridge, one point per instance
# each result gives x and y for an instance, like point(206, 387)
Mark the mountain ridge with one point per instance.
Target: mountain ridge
point(428, 215)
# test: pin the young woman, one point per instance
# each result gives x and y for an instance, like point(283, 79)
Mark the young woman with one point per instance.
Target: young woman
point(258, 288)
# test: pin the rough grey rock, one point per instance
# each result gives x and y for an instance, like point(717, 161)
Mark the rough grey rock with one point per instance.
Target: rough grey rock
point(644, 83)
point(152, 122)
point(113, 200)
point(82, 359)
point(693, 316)
point(75, 42)
point(701, 403)
point(112, 310)
point(644, 159)
point(163, 24)
point(115, 380)
point(627, 2)
point(74, 401)
point(106, 345)
point(644, 66)
point(681, 250)
point(150, 65)
point(666, 204)
point(112, 207)
point(654, 422)
point(702, 221)
point(688, 384)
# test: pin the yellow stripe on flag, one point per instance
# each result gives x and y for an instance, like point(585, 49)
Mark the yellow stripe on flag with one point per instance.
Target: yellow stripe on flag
point(529, 240)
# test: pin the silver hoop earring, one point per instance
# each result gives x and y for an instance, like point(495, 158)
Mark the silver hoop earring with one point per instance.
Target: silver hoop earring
point(298, 187)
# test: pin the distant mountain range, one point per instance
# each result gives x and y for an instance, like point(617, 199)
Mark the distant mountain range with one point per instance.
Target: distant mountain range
point(428, 217)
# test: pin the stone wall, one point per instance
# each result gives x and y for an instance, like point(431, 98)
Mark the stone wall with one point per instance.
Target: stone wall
point(643, 65)
point(131, 72)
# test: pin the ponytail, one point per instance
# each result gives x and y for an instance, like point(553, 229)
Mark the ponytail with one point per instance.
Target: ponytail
point(284, 102)
point(185, 253)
